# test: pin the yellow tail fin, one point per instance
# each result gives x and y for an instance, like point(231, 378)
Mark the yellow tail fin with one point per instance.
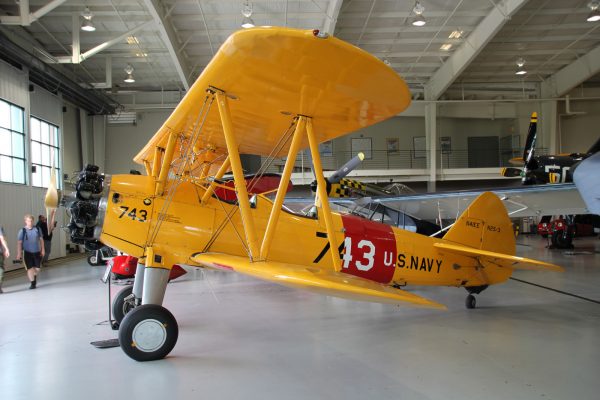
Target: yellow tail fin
point(484, 225)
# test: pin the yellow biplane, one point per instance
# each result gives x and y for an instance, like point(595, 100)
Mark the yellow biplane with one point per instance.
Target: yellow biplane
point(272, 92)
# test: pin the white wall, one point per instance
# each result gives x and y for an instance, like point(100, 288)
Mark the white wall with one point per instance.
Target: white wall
point(579, 131)
point(124, 141)
point(18, 200)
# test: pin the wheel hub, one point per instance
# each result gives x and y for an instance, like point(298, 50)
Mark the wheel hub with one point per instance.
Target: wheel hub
point(149, 335)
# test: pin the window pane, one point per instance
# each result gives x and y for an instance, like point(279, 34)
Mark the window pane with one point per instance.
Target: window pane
point(5, 169)
point(36, 153)
point(4, 114)
point(16, 119)
point(45, 132)
point(18, 171)
point(45, 176)
point(18, 145)
point(45, 155)
point(35, 129)
point(5, 142)
point(56, 142)
point(56, 158)
point(36, 177)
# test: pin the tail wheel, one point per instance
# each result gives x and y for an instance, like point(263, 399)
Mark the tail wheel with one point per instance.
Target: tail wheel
point(148, 332)
point(470, 302)
point(121, 305)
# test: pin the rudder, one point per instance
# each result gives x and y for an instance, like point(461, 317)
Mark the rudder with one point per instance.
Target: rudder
point(484, 225)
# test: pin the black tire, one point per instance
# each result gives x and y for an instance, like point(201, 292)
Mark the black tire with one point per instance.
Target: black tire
point(148, 332)
point(93, 260)
point(120, 308)
point(470, 302)
point(560, 241)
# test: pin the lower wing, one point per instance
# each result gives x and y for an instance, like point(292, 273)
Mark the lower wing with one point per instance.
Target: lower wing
point(316, 280)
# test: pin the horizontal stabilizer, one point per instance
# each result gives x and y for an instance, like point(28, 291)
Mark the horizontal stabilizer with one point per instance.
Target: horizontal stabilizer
point(514, 262)
point(510, 172)
point(316, 280)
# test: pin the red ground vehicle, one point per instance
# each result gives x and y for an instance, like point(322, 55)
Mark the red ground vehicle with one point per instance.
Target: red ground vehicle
point(545, 226)
point(124, 267)
point(562, 230)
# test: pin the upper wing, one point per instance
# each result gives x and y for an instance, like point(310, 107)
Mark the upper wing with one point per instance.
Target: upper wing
point(521, 201)
point(273, 74)
point(316, 280)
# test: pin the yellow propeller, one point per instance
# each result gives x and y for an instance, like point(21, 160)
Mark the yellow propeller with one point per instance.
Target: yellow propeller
point(51, 199)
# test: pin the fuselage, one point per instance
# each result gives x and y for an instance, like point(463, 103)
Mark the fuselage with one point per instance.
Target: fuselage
point(368, 249)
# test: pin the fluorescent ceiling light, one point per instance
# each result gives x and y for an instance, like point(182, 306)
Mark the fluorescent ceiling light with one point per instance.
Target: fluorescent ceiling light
point(132, 40)
point(455, 35)
point(446, 46)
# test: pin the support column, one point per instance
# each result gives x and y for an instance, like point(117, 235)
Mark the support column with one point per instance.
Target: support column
point(83, 134)
point(283, 185)
point(98, 137)
point(211, 188)
point(166, 164)
point(549, 123)
point(238, 176)
point(76, 54)
point(431, 144)
point(322, 193)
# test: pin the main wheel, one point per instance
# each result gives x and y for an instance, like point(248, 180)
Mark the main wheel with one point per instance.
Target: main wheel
point(148, 332)
point(120, 307)
point(93, 260)
point(470, 301)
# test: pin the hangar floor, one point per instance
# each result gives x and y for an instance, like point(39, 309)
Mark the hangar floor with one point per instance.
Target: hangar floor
point(245, 339)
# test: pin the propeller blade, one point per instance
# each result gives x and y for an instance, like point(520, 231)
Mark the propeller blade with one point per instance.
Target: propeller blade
point(51, 199)
point(510, 172)
point(346, 168)
point(530, 161)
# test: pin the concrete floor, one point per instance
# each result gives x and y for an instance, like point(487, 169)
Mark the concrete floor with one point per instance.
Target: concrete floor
point(245, 339)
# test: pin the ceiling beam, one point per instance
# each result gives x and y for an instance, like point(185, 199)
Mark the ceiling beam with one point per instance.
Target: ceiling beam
point(473, 44)
point(167, 33)
point(26, 18)
point(77, 57)
point(572, 75)
point(331, 17)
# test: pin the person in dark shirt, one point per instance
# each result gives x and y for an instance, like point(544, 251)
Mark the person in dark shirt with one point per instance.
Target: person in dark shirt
point(46, 229)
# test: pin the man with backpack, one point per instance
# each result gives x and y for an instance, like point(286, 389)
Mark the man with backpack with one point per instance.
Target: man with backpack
point(30, 248)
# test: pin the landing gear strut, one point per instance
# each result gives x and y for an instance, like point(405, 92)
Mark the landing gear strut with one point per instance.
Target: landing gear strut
point(471, 301)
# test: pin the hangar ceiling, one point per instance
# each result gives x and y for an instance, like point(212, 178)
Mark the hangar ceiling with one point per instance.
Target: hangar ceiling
point(466, 49)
